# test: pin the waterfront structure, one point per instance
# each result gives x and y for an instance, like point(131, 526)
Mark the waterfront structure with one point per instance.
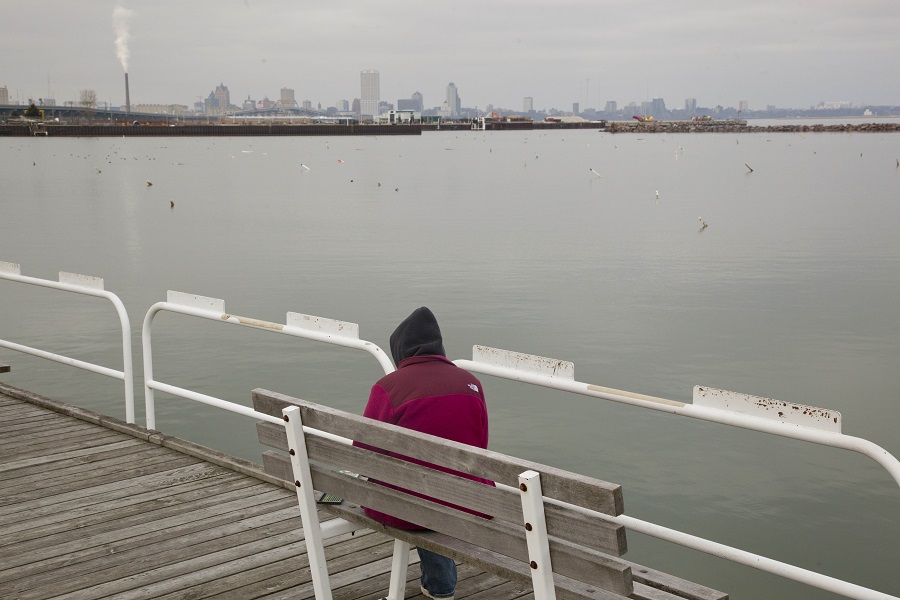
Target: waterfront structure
point(370, 93)
point(528, 104)
point(453, 102)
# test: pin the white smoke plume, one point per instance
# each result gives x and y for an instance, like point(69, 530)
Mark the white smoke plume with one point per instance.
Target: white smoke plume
point(120, 18)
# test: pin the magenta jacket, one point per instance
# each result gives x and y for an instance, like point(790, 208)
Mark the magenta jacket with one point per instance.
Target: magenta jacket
point(432, 395)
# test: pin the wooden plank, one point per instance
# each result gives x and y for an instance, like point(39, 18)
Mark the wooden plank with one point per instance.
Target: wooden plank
point(94, 465)
point(119, 542)
point(136, 489)
point(120, 470)
point(192, 509)
point(62, 443)
point(349, 557)
point(674, 585)
point(172, 551)
point(575, 489)
point(42, 460)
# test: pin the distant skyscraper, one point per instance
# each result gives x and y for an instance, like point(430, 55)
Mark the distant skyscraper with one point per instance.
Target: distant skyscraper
point(690, 105)
point(528, 104)
point(222, 96)
point(370, 93)
point(743, 106)
point(287, 97)
point(611, 106)
point(452, 99)
point(342, 105)
point(413, 103)
point(4, 95)
point(575, 108)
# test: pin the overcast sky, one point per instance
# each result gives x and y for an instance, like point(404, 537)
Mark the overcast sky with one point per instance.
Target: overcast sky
point(790, 53)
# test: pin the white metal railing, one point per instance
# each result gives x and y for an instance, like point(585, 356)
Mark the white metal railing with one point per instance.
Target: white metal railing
point(88, 286)
point(794, 421)
point(759, 414)
point(785, 419)
point(341, 333)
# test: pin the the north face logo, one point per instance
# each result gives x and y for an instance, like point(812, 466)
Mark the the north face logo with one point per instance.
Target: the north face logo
point(474, 387)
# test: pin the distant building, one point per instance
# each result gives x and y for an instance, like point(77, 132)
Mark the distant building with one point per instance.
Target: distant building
point(287, 98)
point(248, 104)
point(160, 109)
point(4, 95)
point(223, 97)
point(453, 102)
point(392, 117)
point(743, 106)
point(657, 108)
point(576, 108)
point(370, 93)
point(528, 104)
point(342, 105)
point(355, 106)
point(307, 105)
point(611, 106)
point(690, 105)
point(414, 103)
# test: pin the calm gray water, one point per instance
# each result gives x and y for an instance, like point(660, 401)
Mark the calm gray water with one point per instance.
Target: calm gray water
point(791, 292)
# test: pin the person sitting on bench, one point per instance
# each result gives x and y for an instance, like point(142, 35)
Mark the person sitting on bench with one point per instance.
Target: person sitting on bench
point(430, 394)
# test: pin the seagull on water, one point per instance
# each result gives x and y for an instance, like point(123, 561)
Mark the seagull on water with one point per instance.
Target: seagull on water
point(703, 224)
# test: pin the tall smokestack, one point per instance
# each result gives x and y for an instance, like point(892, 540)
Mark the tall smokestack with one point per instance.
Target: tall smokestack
point(127, 97)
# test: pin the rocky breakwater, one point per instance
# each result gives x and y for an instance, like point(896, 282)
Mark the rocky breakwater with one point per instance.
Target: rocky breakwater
point(742, 127)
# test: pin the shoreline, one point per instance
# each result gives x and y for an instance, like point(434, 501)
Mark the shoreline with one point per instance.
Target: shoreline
point(743, 127)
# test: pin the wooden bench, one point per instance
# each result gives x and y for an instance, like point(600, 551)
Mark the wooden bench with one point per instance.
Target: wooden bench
point(543, 517)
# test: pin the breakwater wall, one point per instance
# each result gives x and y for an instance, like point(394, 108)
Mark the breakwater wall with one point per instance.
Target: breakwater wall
point(743, 127)
point(219, 130)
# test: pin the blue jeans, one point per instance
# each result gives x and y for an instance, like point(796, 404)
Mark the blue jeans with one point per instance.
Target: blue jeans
point(438, 573)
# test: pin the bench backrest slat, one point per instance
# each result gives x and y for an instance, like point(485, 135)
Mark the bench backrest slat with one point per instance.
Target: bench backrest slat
point(568, 524)
point(572, 488)
point(502, 537)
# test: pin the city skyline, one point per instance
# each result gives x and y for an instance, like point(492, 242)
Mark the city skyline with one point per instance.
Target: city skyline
point(793, 55)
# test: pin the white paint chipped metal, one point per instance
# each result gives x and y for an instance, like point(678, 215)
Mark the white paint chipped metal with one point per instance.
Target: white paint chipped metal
point(88, 281)
point(195, 301)
point(323, 325)
point(768, 408)
point(10, 267)
point(530, 363)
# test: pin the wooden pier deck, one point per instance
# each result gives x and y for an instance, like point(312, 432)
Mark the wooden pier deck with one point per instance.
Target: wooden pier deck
point(91, 507)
